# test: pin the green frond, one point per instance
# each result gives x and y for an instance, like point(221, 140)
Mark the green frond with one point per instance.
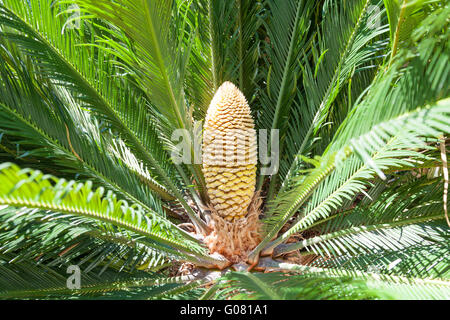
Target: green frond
point(54, 238)
point(346, 42)
point(222, 51)
point(407, 116)
point(404, 16)
point(63, 60)
point(354, 175)
point(386, 236)
point(284, 286)
point(188, 291)
point(287, 29)
point(396, 220)
point(157, 62)
point(287, 204)
point(30, 280)
point(32, 189)
point(420, 261)
point(58, 130)
point(368, 285)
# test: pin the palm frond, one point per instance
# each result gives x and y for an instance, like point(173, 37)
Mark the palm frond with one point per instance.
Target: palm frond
point(157, 62)
point(403, 17)
point(398, 119)
point(345, 43)
point(420, 261)
point(405, 218)
point(57, 129)
point(32, 189)
point(287, 29)
point(30, 280)
point(370, 285)
point(55, 239)
point(63, 60)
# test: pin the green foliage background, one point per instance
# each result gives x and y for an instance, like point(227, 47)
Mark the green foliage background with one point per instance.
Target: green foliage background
point(359, 91)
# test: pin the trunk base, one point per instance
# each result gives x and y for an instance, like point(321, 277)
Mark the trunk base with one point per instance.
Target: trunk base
point(234, 240)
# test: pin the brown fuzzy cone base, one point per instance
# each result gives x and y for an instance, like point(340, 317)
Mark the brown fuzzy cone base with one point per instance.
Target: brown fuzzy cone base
point(234, 240)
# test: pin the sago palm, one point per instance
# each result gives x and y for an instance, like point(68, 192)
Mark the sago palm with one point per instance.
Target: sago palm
point(333, 116)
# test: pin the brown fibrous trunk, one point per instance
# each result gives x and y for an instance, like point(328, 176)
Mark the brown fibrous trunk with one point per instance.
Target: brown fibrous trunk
point(235, 239)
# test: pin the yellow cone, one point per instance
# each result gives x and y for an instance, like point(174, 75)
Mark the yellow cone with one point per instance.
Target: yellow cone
point(229, 153)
